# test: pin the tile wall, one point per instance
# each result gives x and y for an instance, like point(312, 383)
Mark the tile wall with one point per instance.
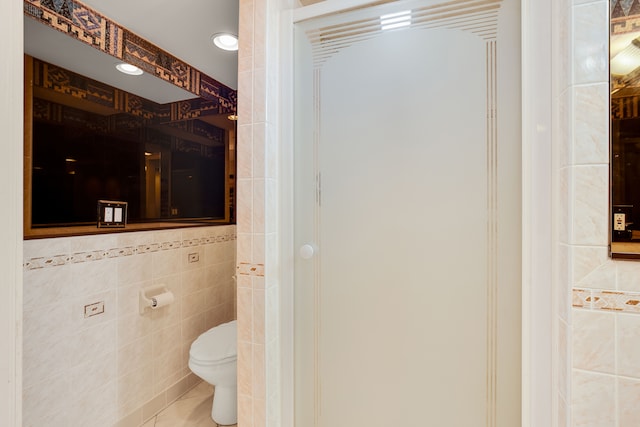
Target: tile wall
point(120, 367)
point(598, 363)
point(258, 259)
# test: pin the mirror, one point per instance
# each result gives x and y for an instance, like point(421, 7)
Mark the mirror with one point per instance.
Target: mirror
point(92, 133)
point(625, 129)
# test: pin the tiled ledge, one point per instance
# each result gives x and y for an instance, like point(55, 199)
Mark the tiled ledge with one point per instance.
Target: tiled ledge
point(616, 301)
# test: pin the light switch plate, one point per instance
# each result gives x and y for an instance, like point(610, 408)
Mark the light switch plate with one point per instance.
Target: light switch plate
point(112, 213)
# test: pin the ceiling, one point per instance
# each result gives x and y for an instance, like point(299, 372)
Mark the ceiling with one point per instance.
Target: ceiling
point(183, 29)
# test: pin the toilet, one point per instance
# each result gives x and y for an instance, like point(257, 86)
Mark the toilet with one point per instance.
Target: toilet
point(213, 357)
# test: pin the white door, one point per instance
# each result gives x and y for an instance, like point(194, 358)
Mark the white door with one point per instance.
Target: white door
point(407, 174)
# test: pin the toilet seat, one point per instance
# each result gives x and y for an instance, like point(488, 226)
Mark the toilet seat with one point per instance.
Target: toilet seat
point(215, 346)
point(206, 363)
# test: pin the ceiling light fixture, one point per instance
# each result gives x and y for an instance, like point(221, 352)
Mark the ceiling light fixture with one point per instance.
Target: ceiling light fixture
point(225, 41)
point(395, 20)
point(627, 60)
point(132, 70)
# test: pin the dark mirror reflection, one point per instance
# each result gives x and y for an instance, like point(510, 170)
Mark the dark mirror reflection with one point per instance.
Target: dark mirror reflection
point(165, 169)
point(625, 126)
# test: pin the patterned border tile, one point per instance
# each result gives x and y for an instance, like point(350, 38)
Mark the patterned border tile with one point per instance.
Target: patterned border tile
point(247, 269)
point(617, 301)
point(81, 22)
point(58, 260)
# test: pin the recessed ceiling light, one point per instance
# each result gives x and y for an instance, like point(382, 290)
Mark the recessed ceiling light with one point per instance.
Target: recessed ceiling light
point(225, 41)
point(132, 70)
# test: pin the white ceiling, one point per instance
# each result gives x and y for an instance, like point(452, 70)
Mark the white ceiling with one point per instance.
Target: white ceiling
point(183, 29)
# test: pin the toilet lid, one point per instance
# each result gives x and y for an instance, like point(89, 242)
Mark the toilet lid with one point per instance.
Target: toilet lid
point(216, 344)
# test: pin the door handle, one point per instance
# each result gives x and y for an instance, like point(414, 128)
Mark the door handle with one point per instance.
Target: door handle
point(307, 251)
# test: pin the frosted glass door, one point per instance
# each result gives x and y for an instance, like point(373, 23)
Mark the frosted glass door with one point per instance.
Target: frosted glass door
point(407, 217)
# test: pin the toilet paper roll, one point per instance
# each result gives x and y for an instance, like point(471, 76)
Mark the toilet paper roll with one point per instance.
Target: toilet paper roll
point(161, 300)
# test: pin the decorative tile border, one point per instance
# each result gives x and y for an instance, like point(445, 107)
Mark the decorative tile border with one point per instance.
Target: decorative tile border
point(77, 20)
point(246, 269)
point(618, 301)
point(58, 260)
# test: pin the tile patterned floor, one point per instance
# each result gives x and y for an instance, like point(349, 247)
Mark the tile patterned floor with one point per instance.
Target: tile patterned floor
point(191, 410)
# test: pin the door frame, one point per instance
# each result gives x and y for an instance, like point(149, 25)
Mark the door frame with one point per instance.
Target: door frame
point(11, 86)
point(537, 297)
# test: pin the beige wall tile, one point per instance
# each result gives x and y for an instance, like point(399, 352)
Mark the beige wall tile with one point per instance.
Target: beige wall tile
point(245, 199)
point(591, 402)
point(591, 205)
point(193, 326)
point(191, 252)
point(165, 263)
point(564, 359)
point(245, 411)
point(134, 389)
point(565, 205)
point(245, 314)
point(245, 369)
point(134, 269)
point(245, 99)
point(628, 275)
point(586, 259)
point(258, 389)
point(628, 409)
point(193, 281)
point(259, 149)
point(245, 151)
point(628, 342)
point(602, 277)
point(593, 341)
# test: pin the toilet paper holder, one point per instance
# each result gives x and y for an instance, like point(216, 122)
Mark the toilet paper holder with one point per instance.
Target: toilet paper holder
point(154, 297)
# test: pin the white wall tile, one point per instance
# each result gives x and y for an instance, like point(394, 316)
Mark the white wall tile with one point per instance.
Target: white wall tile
point(97, 409)
point(590, 43)
point(46, 399)
point(108, 359)
point(46, 286)
point(591, 124)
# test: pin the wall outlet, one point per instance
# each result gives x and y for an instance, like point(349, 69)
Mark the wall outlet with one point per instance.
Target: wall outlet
point(93, 309)
point(194, 257)
point(619, 222)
